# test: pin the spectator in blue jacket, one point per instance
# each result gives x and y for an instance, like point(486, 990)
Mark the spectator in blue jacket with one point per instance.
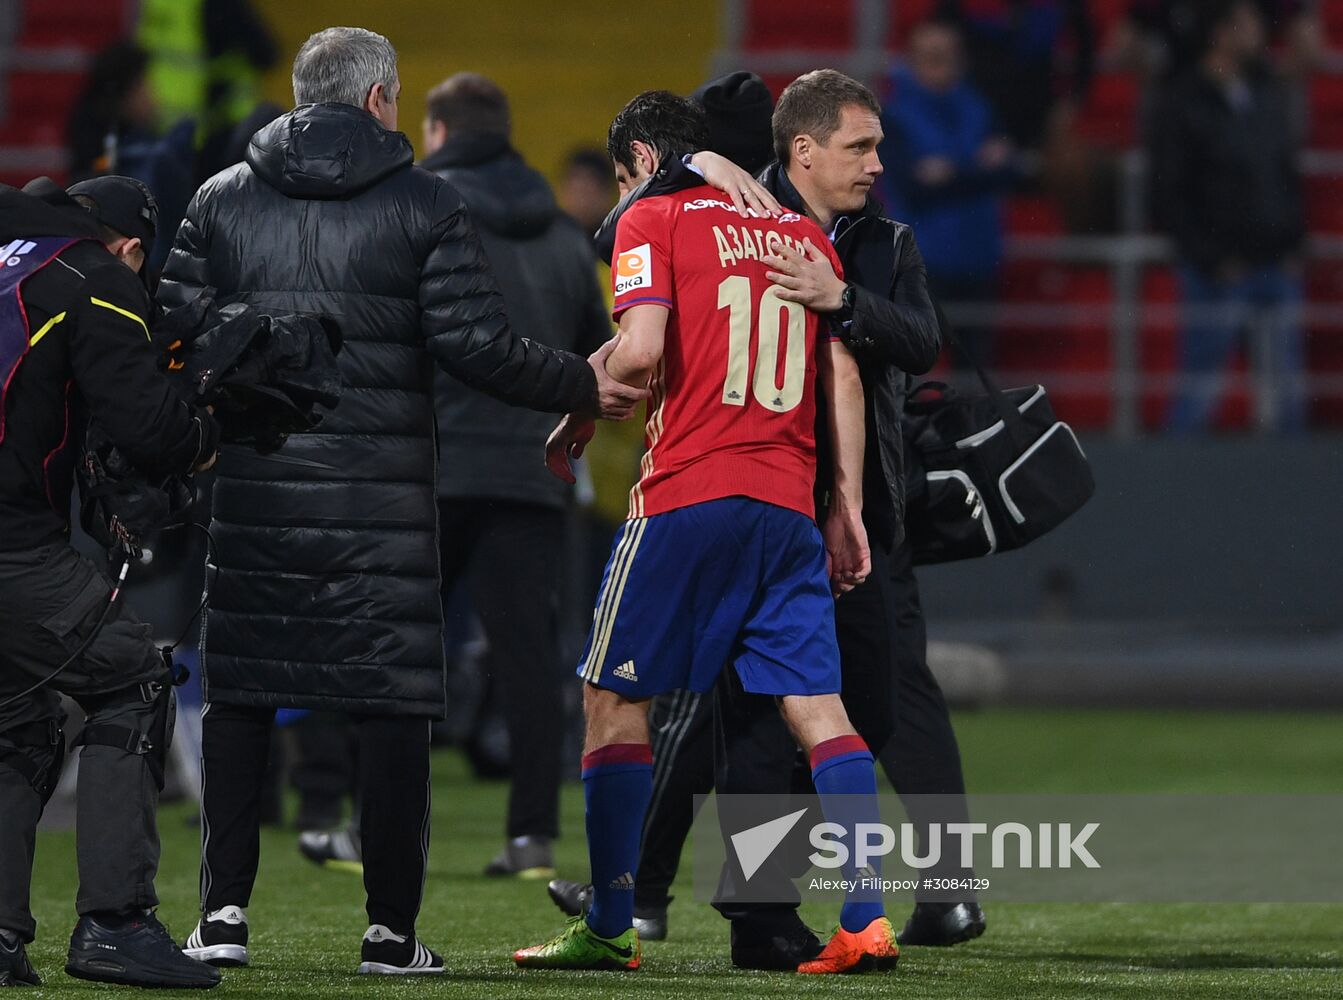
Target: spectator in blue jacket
point(947, 166)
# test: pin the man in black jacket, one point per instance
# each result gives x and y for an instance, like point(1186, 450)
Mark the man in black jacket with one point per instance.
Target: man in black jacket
point(327, 591)
point(501, 514)
point(887, 319)
point(74, 347)
point(1227, 187)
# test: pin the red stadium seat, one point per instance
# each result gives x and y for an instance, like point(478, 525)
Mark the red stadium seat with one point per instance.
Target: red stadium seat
point(1033, 215)
point(1324, 344)
point(1105, 14)
point(798, 24)
point(87, 24)
point(38, 106)
point(903, 17)
point(1324, 204)
point(1110, 115)
point(1077, 344)
point(1326, 111)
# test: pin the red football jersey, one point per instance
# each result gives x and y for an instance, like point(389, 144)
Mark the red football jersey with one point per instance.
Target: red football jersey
point(733, 410)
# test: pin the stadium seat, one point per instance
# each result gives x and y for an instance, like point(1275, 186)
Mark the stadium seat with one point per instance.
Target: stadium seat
point(86, 24)
point(902, 17)
point(1326, 111)
point(823, 25)
point(1324, 204)
point(1076, 344)
point(1110, 115)
point(1033, 215)
point(1324, 343)
point(39, 104)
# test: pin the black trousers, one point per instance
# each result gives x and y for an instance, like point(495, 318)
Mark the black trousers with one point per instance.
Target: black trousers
point(394, 815)
point(680, 724)
point(509, 555)
point(892, 699)
point(50, 600)
point(323, 771)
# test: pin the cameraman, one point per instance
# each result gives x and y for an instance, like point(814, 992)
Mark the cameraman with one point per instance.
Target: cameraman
point(75, 349)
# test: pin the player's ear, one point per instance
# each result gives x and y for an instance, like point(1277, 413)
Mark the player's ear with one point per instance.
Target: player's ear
point(644, 157)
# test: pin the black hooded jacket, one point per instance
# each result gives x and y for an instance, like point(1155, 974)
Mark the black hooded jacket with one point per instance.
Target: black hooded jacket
point(327, 587)
point(546, 272)
point(93, 359)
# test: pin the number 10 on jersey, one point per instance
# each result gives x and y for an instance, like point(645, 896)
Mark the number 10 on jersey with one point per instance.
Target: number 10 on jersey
point(734, 295)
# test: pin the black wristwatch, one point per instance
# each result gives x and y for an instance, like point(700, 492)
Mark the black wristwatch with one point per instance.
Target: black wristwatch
point(844, 314)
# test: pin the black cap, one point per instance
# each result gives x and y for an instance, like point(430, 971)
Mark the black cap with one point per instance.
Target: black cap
point(123, 204)
point(739, 108)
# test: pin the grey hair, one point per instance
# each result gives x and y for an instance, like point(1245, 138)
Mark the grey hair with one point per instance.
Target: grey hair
point(341, 65)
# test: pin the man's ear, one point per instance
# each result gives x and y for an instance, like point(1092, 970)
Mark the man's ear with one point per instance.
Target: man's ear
point(128, 250)
point(803, 146)
point(374, 100)
point(437, 133)
point(645, 156)
point(377, 102)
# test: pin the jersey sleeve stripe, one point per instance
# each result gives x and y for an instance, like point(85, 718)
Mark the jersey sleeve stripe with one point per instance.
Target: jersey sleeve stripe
point(644, 300)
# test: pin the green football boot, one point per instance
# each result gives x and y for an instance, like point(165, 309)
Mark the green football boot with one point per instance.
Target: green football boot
point(579, 948)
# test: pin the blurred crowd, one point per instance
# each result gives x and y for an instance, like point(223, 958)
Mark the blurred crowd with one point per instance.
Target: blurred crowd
point(986, 102)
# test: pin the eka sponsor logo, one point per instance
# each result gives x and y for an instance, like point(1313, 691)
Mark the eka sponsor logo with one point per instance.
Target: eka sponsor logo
point(634, 269)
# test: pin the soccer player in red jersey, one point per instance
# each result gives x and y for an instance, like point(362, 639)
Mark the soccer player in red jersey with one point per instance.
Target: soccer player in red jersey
point(721, 560)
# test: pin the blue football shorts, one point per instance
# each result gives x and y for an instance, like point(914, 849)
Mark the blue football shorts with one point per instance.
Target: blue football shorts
point(734, 581)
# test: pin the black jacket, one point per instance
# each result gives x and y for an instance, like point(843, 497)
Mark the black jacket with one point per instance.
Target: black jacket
point(94, 359)
point(1225, 181)
point(327, 587)
point(546, 272)
point(894, 334)
point(894, 331)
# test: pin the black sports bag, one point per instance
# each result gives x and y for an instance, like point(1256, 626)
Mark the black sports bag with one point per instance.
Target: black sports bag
point(987, 473)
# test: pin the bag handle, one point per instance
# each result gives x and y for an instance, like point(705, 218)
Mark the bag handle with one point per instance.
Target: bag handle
point(1011, 416)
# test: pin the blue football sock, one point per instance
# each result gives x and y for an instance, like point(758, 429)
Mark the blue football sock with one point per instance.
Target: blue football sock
point(617, 784)
point(846, 782)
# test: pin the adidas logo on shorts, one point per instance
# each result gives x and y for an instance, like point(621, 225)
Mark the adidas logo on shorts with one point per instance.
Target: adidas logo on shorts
point(625, 881)
point(626, 671)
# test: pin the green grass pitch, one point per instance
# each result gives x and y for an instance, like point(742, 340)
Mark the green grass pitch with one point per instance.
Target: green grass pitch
point(306, 923)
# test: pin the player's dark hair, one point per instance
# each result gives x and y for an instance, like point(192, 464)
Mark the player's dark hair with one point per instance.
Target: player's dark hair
point(813, 105)
point(469, 102)
point(672, 125)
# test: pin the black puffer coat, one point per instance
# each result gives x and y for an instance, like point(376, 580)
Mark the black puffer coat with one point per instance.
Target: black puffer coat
point(548, 278)
point(327, 587)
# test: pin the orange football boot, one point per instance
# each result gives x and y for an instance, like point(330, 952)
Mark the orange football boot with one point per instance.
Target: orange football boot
point(872, 948)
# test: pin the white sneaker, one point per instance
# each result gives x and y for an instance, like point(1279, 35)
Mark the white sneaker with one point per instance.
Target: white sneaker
point(220, 938)
point(385, 953)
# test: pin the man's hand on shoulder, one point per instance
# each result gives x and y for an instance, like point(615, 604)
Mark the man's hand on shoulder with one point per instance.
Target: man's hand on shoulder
point(615, 399)
point(808, 278)
point(748, 195)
